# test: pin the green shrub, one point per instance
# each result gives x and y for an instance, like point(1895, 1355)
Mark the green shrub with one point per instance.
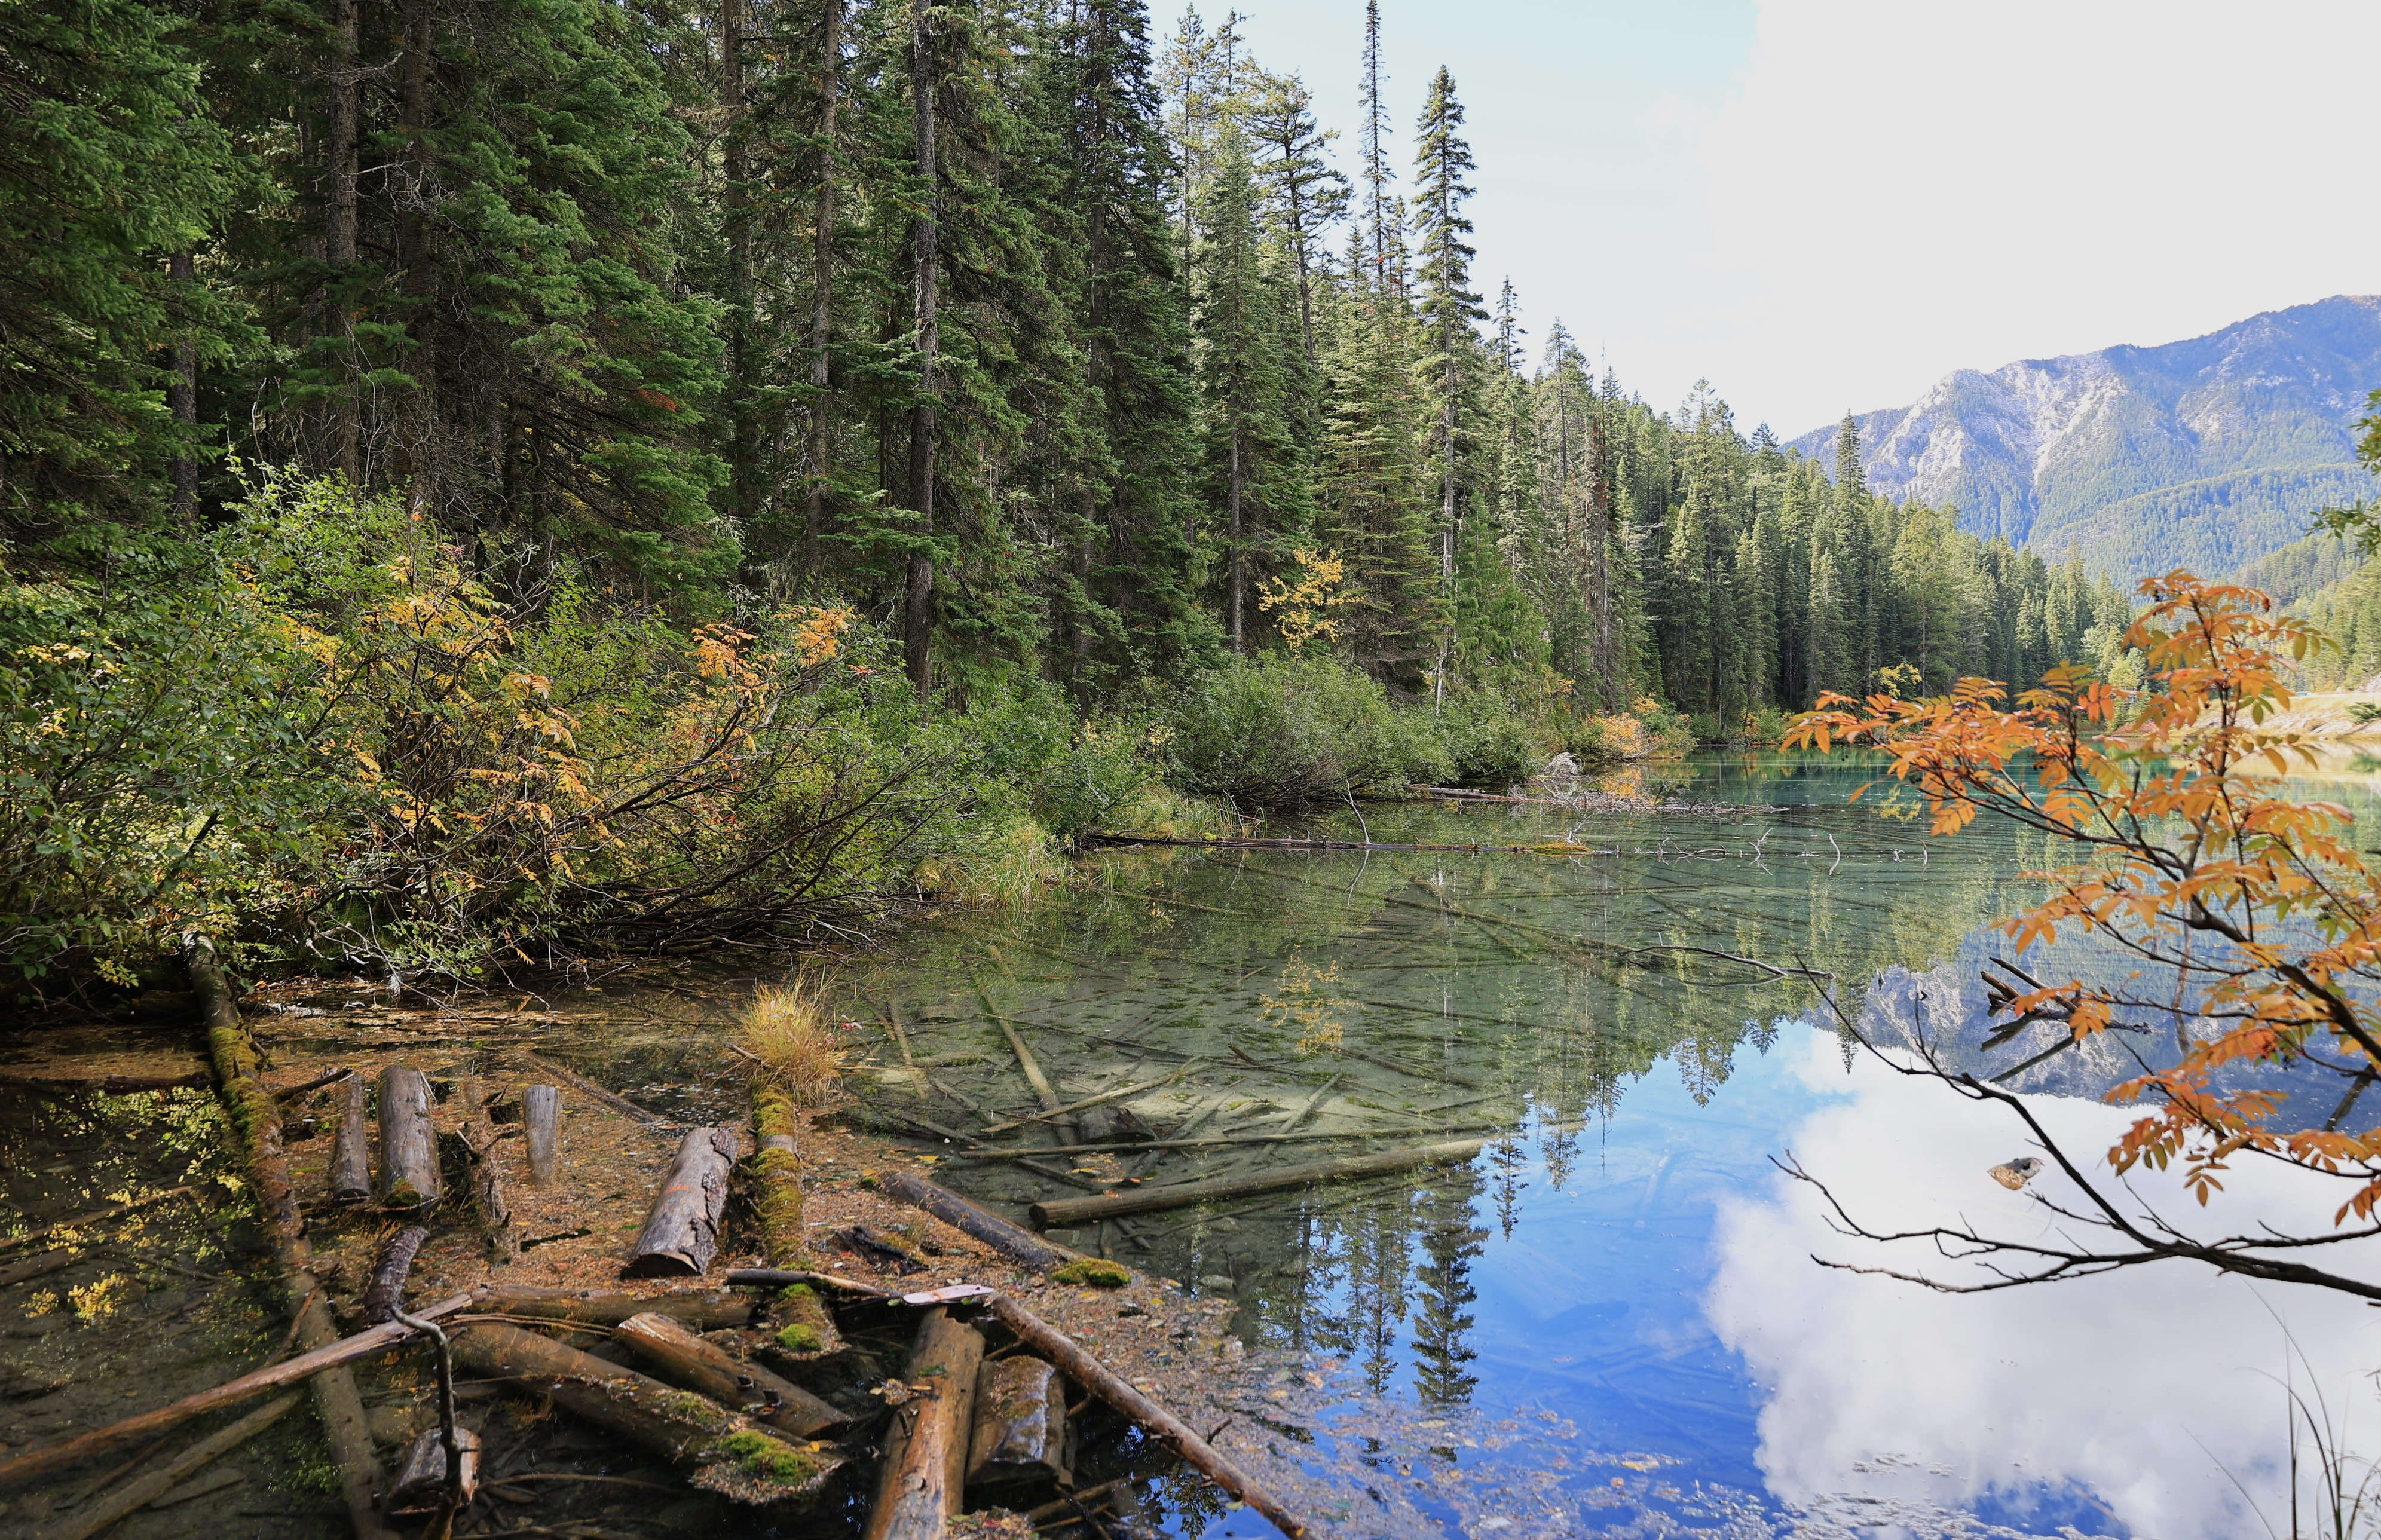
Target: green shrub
point(1290, 734)
point(1486, 740)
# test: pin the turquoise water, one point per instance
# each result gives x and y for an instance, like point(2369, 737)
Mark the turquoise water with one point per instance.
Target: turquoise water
point(1610, 1320)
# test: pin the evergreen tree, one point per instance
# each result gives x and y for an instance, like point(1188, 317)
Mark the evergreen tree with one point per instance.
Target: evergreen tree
point(1446, 307)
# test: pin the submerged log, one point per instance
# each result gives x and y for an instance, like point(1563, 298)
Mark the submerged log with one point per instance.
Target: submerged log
point(491, 1197)
point(408, 1155)
point(720, 1450)
point(256, 1120)
point(925, 1468)
point(777, 1171)
point(307, 1365)
point(112, 1210)
point(37, 1267)
point(1160, 1424)
point(352, 1145)
point(541, 1124)
point(1013, 1241)
point(141, 1490)
point(422, 1481)
point(386, 1293)
point(1065, 1213)
point(682, 1358)
point(1020, 1423)
point(591, 1090)
point(682, 1233)
point(586, 1307)
point(1103, 1099)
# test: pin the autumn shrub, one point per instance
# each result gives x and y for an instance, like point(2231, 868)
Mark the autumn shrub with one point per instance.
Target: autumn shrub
point(1288, 734)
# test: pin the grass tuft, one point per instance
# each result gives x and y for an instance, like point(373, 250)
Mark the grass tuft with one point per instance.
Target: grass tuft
point(789, 1030)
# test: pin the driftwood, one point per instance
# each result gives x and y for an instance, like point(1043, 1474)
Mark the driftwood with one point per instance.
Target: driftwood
point(1119, 1094)
point(924, 1470)
point(1013, 1241)
point(97, 1215)
point(682, 1233)
point(352, 1145)
point(1160, 1424)
point(149, 1424)
point(256, 1119)
point(408, 1155)
point(1020, 1423)
point(682, 1358)
point(720, 1450)
point(777, 1172)
point(1067, 1213)
point(142, 1490)
point(422, 1481)
point(585, 1307)
point(385, 1295)
point(589, 1089)
point(541, 1125)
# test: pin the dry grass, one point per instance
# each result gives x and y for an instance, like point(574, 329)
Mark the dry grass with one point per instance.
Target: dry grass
point(1009, 866)
point(796, 1041)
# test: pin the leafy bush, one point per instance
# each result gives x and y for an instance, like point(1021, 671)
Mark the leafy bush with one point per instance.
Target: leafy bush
point(1287, 734)
point(1487, 741)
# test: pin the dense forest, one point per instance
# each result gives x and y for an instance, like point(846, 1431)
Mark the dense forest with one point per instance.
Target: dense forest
point(510, 412)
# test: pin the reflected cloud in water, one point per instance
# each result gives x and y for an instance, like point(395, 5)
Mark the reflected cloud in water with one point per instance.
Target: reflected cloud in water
point(2128, 1388)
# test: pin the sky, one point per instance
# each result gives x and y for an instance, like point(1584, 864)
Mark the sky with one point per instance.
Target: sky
point(1827, 206)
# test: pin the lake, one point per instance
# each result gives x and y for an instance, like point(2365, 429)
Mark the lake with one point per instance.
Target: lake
point(1610, 1320)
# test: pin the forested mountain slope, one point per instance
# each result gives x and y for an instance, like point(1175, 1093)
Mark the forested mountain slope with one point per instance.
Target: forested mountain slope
point(2207, 453)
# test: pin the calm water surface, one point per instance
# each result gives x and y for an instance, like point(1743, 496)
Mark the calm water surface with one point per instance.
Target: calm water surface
point(1610, 1322)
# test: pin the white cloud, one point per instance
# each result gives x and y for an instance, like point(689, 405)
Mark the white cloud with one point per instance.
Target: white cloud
point(1900, 188)
point(2130, 1386)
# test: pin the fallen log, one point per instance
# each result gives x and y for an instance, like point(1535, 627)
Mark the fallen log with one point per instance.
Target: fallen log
point(1013, 1241)
point(408, 1156)
point(682, 1233)
point(256, 1120)
point(779, 1278)
point(1160, 1424)
point(302, 1087)
point(351, 1146)
point(1304, 1113)
point(36, 1267)
point(1067, 1213)
point(585, 1307)
point(1119, 1094)
point(366, 1344)
point(141, 1490)
point(925, 1468)
point(386, 1293)
point(777, 1171)
point(1020, 1423)
point(491, 1197)
point(720, 1450)
point(594, 1092)
point(682, 1358)
point(542, 1126)
point(97, 1215)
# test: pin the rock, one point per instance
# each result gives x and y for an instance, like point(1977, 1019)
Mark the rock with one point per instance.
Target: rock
point(1219, 1282)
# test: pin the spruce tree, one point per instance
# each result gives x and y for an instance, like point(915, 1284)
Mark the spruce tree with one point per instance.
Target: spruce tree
point(1447, 307)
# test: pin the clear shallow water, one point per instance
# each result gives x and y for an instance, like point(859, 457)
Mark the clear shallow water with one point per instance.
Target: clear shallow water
point(1609, 1322)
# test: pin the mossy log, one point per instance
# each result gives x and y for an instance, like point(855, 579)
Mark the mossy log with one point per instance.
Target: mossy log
point(777, 1175)
point(586, 1307)
point(256, 1120)
point(925, 1468)
point(679, 1356)
point(805, 1326)
point(720, 1450)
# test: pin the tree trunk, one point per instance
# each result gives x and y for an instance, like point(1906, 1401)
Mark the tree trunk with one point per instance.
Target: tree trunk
point(743, 430)
point(352, 1145)
point(420, 407)
point(924, 1468)
point(408, 1155)
point(1239, 641)
point(918, 619)
point(339, 222)
point(182, 389)
point(822, 286)
point(682, 1233)
point(683, 1358)
point(541, 1125)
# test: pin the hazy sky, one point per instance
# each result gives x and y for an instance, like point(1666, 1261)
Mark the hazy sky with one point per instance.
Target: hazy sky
point(1823, 205)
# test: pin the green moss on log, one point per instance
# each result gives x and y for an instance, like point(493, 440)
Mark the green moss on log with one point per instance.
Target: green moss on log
point(777, 1174)
point(1094, 1273)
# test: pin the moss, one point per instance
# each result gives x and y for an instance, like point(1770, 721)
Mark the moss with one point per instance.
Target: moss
point(1093, 1272)
point(799, 1337)
point(779, 1173)
point(769, 1459)
point(792, 1293)
point(685, 1406)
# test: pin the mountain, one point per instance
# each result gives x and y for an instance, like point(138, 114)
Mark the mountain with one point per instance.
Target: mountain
point(2205, 454)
